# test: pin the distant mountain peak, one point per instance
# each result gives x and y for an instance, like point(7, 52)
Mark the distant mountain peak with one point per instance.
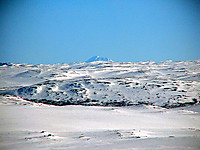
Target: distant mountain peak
point(98, 58)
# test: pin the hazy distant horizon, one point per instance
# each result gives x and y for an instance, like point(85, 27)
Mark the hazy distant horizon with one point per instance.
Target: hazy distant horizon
point(87, 62)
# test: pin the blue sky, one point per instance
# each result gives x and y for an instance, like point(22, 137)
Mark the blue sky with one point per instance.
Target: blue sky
point(65, 31)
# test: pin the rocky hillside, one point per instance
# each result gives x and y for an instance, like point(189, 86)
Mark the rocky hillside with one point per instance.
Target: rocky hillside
point(167, 84)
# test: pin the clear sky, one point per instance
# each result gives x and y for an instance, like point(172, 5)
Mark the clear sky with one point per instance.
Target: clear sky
point(65, 31)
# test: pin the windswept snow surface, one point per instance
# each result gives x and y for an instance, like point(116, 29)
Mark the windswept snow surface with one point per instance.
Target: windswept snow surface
point(100, 83)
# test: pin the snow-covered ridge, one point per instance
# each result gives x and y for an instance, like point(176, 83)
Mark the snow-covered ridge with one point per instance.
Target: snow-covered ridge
point(166, 84)
point(98, 58)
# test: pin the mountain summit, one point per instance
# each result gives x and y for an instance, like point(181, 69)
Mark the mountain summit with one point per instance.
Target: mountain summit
point(98, 58)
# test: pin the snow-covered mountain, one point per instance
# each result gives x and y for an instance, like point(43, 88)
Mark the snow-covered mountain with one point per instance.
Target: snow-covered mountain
point(166, 84)
point(98, 58)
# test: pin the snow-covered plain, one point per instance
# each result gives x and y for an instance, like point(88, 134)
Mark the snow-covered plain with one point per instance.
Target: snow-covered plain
point(109, 105)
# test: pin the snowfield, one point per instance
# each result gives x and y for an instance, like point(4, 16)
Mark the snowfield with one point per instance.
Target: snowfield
point(28, 125)
point(166, 84)
point(160, 106)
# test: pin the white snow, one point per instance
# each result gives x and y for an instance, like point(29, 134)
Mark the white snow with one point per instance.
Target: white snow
point(80, 127)
point(29, 119)
point(166, 84)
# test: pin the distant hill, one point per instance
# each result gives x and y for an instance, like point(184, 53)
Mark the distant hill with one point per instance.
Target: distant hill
point(98, 58)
